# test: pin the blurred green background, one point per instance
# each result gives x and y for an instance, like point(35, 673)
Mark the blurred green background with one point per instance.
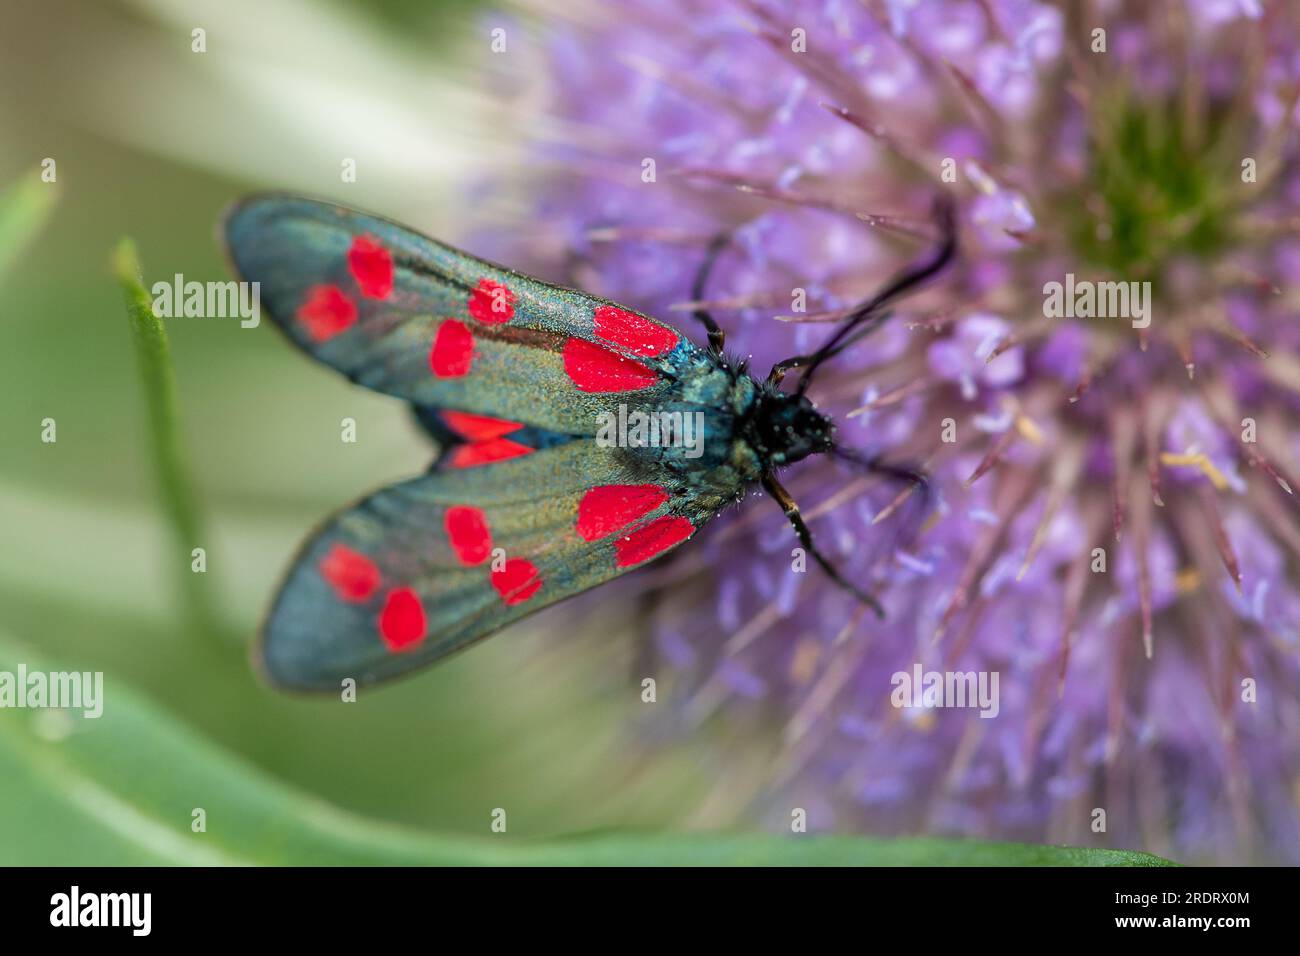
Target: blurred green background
point(151, 140)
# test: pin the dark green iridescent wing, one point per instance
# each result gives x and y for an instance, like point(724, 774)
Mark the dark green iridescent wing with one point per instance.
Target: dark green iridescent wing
point(514, 376)
point(405, 315)
point(423, 568)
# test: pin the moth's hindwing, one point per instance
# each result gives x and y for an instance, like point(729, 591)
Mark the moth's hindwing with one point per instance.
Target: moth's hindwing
point(419, 570)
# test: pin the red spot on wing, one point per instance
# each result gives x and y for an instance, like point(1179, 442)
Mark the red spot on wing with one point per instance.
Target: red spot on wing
point(479, 427)
point(401, 622)
point(594, 369)
point(638, 335)
point(467, 530)
point(652, 539)
point(452, 352)
point(326, 311)
point(607, 508)
point(372, 266)
point(491, 302)
point(486, 452)
point(352, 575)
point(517, 581)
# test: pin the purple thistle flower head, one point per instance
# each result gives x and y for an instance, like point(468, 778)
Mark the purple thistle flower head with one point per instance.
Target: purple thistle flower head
point(1104, 392)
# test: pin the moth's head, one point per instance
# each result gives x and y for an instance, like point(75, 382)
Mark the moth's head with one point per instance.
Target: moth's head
point(788, 428)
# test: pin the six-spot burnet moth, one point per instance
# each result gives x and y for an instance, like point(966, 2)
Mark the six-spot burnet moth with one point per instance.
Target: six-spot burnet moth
point(511, 375)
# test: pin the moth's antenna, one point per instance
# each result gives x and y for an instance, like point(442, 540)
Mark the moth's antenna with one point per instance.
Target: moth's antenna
point(870, 311)
point(944, 215)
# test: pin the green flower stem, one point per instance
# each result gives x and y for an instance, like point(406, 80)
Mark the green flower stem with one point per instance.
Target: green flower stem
point(179, 498)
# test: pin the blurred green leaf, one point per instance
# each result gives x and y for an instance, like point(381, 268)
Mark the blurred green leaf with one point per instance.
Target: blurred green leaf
point(24, 208)
point(179, 498)
point(122, 788)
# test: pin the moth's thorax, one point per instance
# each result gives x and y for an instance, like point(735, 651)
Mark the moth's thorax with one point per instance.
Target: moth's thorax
point(786, 428)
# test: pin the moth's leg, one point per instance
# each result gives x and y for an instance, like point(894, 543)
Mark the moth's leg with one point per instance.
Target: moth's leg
point(915, 478)
point(881, 467)
point(773, 488)
point(780, 368)
point(899, 472)
point(717, 338)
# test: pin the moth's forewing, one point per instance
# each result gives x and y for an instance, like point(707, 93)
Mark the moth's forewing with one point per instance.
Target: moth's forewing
point(405, 315)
